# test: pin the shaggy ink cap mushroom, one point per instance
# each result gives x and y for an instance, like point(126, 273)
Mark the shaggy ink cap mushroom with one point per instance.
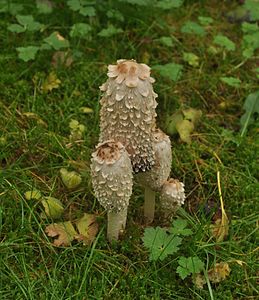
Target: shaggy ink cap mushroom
point(112, 176)
point(128, 111)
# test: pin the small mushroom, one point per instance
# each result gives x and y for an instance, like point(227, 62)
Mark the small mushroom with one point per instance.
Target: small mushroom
point(112, 182)
point(172, 196)
point(154, 179)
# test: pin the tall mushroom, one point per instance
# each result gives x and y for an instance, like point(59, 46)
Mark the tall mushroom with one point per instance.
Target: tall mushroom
point(129, 143)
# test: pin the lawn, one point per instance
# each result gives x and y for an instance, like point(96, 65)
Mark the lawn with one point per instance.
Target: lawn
point(54, 57)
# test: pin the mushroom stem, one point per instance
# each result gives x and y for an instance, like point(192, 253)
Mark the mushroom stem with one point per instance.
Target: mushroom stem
point(149, 205)
point(116, 223)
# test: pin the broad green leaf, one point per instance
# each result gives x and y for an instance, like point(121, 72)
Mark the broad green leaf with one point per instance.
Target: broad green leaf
point(191, 59)
point(12, 8)
point(109, 31)
point(63, 231)
point(70, 179)
point(179, 228)
point(249, 28)
point(80, 30)
point(29, 23)
point(56, 41)
point(205, 20)
point(16, 28)
point(169, 4)
point(250, 43)
point(224, 42)
point(172, 71)
point(27, 53)
point(74, 4)
point(166, 40)
point(232, 81)
point(190, 265)
point(171, 121)
point(115, 14)
point(53, 207)
point(251, 107)
point(193, 28)
point(253, 7)
point(87, 11)
point(33, 194)
point(160, 243)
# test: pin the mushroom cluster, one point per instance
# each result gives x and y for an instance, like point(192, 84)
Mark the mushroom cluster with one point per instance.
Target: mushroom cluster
point(130, 145)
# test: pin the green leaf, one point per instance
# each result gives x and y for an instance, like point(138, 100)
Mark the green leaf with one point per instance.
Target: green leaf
point(224, 42)
point(179, 228)
point(169, 4)
point(160, 243)
point(232, 81)
point(53, 207)
point(172, 71)
point(166, 40)
point(249, 28)
point(44, 6)
point(56, 41)
point(29, 23)
point(75, 5)
point(191, 59)
point(80, 30)
point(253, 7)
point(109, 31)
point(185, 128)
point(87, 11)
point(251, 106)
point(27, 53)
point(137, 2)
point(115, 14)
point(70, 179)
point(12, 8)
point(34, 194)
point(193, 28)
point(205, 20)
point(16, 28)
point(190, 265)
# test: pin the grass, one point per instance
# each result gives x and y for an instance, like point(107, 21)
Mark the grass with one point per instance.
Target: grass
point(32, 153)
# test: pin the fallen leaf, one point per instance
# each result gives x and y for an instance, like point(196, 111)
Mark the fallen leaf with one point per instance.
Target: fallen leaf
point(185, 128)
point(86, 110)
point(50, 83)
point(220, 272)
point(87, 228)
point(62, 58)
point(192, 115)
point(33, 116)
point(53, 207)
point(64, 232)
point(199, 280)
point(34, 194)
point(70, 179)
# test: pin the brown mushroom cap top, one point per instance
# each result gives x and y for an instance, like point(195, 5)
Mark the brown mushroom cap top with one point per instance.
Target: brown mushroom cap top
point(130, 71)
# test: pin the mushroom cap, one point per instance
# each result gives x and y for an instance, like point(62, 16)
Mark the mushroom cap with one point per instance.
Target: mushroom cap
point(112, 175)
point(172, 195)
point(128, 111)
point(159, 173)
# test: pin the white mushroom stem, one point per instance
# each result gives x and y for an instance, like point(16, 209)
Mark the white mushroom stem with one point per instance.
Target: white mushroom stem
point(149, 205)
point(116, 224)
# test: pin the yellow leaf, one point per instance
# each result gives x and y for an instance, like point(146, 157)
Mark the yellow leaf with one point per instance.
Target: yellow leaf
point(219, 272)
point(33, 116)
point(87, 228)
point(70, 179)
point(51, 82)
point(34, 194)
point(199, 280)
point(53, 207)
point(185, 128)
point(64, 232)
point(86, 110)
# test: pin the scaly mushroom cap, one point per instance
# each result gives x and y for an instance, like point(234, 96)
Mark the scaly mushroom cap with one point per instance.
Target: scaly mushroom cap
point(172, 195)
point(112, 176)
point(128, 111)
point(159, 173)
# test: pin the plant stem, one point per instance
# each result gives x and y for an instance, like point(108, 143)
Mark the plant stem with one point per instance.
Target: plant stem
point(149, 205)
point(116, 223)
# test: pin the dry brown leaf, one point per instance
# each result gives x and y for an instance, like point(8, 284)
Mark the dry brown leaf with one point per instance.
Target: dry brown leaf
point(62, 58)
point(88, 228)
point(51, 82)
point(219, 272)
point(64, 232)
